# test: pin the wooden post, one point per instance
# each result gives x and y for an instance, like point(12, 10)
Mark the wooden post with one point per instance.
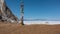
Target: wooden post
point(22, 12)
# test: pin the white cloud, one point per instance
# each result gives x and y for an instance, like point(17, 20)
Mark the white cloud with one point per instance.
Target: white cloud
point(42, 22)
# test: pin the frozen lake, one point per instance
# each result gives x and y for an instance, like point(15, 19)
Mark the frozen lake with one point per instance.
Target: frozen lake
point(42, 22)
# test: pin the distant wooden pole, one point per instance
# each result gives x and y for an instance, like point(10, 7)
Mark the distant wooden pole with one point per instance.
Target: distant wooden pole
point(21, 12)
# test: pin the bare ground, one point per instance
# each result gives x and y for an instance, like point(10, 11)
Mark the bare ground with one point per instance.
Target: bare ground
point(28, 29)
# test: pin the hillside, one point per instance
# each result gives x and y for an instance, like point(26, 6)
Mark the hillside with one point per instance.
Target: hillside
point(8, 28)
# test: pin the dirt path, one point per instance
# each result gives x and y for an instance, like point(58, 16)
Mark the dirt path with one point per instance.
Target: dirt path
point(29, 29)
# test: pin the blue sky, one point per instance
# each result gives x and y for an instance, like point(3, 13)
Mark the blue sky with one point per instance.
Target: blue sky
point(36, 9)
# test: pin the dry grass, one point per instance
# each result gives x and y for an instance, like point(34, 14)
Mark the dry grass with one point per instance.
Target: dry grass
point(28, 29)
